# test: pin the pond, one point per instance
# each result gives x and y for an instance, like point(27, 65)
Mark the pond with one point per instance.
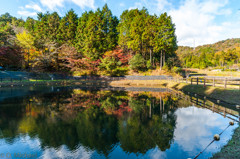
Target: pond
point(71, 122)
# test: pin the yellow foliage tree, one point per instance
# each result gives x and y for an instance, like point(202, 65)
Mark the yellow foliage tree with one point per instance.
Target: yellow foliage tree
point(26, 41)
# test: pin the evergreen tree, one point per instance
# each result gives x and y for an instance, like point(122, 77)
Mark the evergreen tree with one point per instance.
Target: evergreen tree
point(165, 41)
point(67, 28)
point(29, 24)
point(53, 26)
point(96, 33)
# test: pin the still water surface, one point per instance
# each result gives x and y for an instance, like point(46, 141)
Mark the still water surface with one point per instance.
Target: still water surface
point(48, 122)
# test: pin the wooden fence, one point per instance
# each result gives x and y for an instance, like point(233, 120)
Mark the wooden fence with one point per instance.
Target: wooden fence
point(213, 81)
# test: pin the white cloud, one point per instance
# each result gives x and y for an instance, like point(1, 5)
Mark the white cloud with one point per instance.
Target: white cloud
point(34, 7)
point(162, 5)
point(85, 3)
point(63, 152)
point(196, 21)
point(27, 13)
point(52, 4)
point(154, 6)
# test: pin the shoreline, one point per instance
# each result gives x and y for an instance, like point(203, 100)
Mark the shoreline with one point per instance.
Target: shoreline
point(228, 95)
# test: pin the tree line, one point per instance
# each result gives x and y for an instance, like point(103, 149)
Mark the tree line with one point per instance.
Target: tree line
point(96, 43)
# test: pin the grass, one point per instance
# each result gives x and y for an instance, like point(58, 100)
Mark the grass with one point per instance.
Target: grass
point(231, 150)
point(216, 73)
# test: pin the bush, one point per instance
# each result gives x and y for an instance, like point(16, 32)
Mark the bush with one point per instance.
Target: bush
point(149, 65)
point(172, 61)
point(137, 63)
point(111, 67)
point(177, 69)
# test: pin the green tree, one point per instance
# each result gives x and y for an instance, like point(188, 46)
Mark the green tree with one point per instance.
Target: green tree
point(165, 41)
point(67, 28)
point(96, 33)
point(29, 24)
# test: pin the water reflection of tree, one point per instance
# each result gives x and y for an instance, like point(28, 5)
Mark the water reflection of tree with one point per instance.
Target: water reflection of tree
point(97, 120)
point(147, 126)
point(96, 130)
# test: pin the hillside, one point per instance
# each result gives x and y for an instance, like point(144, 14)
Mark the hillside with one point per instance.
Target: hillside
point(222, 53)
point(218, 46)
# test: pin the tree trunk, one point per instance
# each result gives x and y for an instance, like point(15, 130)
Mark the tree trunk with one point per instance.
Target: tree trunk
point(150, 56)
point(163, 58)
point(28, 61)
point(150, 110)
point(161, 61)
point(153, 63)
point(160, 101)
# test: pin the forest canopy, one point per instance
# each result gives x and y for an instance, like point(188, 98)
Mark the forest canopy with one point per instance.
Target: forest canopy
point(94, 43)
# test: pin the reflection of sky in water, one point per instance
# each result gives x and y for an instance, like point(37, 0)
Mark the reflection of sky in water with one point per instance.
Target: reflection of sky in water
point(194, 131)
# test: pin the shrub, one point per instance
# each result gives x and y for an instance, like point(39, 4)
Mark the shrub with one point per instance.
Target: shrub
point(137, 63)
point(177, 69)
point(111, 67)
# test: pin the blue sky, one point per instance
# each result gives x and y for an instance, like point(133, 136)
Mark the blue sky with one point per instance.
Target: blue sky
point(202, 21)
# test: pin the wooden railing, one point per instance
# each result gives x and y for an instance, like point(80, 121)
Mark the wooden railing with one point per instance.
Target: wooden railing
point(213, 81)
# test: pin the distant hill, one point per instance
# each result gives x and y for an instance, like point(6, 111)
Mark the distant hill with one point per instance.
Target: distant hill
point(223, 45)
point(222, 53)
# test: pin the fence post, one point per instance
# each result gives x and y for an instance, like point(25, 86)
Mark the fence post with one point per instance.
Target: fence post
point(213, 82)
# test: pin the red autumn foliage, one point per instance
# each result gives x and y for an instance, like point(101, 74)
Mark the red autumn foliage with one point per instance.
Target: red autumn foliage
point(91, 67)
point(10, 57)
point(119, 55)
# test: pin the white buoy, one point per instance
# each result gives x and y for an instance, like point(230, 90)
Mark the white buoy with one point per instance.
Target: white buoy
point(237, 106)
point(216, 137)
point(218, 101)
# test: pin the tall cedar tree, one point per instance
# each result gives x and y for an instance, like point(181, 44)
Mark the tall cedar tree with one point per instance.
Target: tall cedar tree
point(146, 34)
point(67, 28)
point(96, 33)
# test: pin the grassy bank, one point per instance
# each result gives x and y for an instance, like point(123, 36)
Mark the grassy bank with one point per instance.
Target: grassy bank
point(227, 95)
point(216, 73)
point(231, 150)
